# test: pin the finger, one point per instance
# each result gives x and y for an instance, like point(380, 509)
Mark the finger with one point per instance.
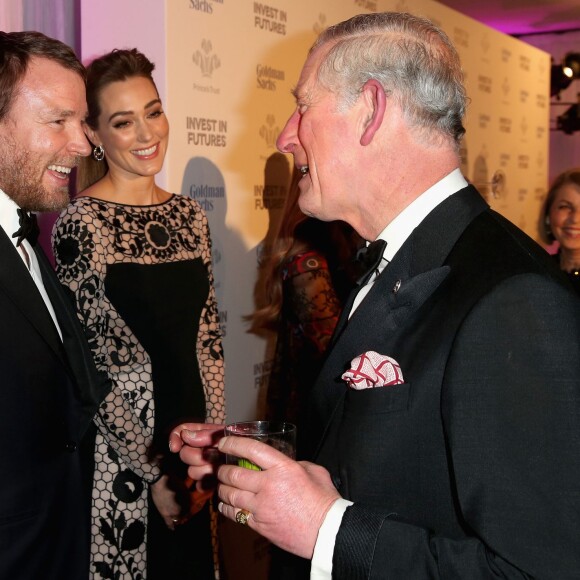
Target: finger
point(201, 473)
point(240, 478)
point(206, 437)
point(175, 442)
point(258, 453)
point(194, 456)
point(171, 522)
point(238, 498)
point(231, 512)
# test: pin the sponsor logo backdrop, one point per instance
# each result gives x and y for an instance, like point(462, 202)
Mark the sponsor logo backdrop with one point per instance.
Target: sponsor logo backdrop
point(230, 67)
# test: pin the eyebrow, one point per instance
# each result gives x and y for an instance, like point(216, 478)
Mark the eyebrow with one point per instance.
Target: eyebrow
point(298, 94)
point(121, 113)
point(61, 113)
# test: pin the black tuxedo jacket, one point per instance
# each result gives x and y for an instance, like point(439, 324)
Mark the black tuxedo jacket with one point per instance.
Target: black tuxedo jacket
point(471, 468)
point(50, 393)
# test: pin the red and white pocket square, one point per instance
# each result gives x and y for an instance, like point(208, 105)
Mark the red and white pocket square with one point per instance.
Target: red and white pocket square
point(371, 369)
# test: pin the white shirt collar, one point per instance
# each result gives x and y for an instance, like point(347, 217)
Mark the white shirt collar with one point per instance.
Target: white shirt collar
point(397, 232)
point(8, 216)
point(10, 223)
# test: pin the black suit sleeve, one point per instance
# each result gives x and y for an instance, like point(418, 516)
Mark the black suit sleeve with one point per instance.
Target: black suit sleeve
point(510, 410)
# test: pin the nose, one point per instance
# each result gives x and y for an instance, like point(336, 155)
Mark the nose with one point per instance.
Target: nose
point(288, 138)
point(144, 132)
point(574, 215)
point(78, 144)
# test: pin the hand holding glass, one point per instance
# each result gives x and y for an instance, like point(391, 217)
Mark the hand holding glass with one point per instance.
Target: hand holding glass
point(277, 434)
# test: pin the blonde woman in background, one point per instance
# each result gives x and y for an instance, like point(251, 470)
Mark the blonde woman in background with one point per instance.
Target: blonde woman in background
point(562, 222)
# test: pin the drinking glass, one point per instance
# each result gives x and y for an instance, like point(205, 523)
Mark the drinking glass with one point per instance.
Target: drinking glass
point(277, 434)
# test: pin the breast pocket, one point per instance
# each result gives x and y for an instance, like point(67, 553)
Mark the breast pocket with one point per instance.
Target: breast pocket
point(370, 440)
point(377, 401)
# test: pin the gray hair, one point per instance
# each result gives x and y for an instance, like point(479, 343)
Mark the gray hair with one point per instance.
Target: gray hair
point(410, 57)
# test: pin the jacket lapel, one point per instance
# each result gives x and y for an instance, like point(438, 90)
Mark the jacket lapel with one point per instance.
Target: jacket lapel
point(415, 273)
point(18, 285)
point(92, 385)
point(73, 351)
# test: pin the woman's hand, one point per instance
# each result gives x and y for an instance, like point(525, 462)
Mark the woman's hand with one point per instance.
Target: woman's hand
point(196, 444)
point(165, 497)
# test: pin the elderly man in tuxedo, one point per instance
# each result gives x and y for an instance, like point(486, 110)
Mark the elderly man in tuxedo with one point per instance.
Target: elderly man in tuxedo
point(462, 458)
point(50, 389)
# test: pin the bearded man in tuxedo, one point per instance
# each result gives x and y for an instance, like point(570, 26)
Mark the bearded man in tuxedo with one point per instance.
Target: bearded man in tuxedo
point(50, 388)
point(469, 465)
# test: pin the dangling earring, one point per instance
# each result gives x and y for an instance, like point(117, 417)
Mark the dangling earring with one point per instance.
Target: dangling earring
point(548, 229)
point(99, 153)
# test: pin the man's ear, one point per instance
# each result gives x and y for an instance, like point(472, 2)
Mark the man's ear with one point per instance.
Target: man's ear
point(376, 104)
point(91, 135)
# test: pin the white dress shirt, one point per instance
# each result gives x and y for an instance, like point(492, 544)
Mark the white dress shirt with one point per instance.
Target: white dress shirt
point(10, 223)
point(395, 234)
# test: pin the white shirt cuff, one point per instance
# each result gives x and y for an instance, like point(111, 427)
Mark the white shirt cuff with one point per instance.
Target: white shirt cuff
point(321, 566)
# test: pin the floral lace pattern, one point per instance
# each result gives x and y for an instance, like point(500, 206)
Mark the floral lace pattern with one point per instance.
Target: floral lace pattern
point(89, 236)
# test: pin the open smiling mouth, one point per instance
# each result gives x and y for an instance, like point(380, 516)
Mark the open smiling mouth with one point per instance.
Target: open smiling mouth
point(144, 152)
point(62, 170)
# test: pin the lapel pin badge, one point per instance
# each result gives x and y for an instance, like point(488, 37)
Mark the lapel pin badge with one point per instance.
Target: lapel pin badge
point(397, 286)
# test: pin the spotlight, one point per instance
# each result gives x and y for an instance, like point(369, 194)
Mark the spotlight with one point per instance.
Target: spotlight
point(560, 78)
point(572, 64)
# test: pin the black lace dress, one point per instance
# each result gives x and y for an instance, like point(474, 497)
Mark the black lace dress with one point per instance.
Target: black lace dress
point(143, 284)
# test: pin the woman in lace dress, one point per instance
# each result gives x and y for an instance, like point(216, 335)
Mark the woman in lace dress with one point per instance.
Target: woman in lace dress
point(138, 261)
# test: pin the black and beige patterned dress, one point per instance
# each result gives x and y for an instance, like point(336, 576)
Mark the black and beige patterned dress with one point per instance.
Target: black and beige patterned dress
point(143, 284)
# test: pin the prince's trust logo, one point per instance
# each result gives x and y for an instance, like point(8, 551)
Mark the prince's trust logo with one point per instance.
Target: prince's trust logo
point(270, 131)
point(205, 59)
point(207, 63)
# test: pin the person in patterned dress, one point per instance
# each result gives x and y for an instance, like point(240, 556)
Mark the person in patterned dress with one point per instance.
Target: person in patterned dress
point(308, 273)
point(138, 261)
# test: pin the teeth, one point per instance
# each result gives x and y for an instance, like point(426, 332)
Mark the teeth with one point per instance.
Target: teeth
point(60, 168)
point(145, 152)
point(304, 169)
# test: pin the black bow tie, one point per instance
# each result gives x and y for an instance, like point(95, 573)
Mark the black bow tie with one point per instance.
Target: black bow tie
point(369, 259)
point(28, 228)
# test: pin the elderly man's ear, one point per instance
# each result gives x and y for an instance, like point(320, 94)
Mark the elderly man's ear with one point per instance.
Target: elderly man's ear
point(375, 102)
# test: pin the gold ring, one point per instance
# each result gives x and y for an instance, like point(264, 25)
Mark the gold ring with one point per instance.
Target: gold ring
point(242, 517)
